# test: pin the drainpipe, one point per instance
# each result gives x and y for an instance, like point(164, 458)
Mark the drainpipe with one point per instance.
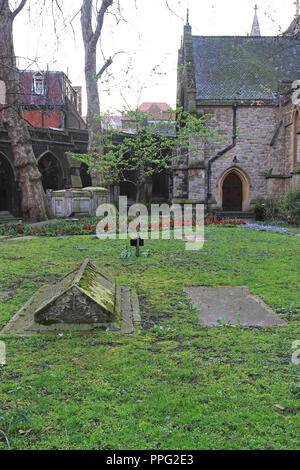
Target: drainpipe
point(219, 154)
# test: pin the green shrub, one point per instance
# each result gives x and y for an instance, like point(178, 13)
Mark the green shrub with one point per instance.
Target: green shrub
point(292, 206)
point(285, 209)
point(260, 209)
point(275, 209)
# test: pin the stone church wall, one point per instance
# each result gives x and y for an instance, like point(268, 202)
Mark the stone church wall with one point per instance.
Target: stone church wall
point(262, 154)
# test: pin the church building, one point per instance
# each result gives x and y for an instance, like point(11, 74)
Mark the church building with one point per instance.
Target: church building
point(246, 86)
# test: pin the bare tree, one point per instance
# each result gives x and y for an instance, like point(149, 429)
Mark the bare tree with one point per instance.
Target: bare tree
point(91, 37)
point(27, 173)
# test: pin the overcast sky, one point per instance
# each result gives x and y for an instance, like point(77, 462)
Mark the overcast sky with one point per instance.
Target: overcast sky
point(149, 41)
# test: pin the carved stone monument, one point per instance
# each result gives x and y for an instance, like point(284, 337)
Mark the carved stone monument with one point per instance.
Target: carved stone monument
point(76, 202)
point(85, 299)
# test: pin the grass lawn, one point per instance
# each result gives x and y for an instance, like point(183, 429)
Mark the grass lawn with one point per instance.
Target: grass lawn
point(187, 387)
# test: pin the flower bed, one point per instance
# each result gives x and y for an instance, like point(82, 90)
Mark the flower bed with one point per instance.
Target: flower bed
point(87, 226)
point(268, 228)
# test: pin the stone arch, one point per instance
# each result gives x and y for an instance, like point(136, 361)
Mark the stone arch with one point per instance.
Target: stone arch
point(51, 171)
point(7, 185)
point(238, 180)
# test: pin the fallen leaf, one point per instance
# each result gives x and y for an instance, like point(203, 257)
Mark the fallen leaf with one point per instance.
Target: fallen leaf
point(49, 428)
point(21, 431)
point(282, 408)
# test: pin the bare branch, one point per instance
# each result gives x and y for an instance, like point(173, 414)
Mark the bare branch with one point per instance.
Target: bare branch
point(72, 19)
point(59, 7)
point(19, 8)
point(100, 19)
point(107, 64)
point(171, 10)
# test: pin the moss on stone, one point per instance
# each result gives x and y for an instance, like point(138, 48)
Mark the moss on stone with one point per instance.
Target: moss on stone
point(86, 298)
point(76, 181)
point(91, 282)
point(297, 169)
point(275, 136)
point(200, 164)
point(282, 177)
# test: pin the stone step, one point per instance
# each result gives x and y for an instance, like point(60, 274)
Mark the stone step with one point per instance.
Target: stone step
point(235, 215)
point(7, 218)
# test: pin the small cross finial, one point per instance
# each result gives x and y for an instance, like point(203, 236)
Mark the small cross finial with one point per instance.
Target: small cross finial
point(296, 3)
point(187, 16)
point(255, 26)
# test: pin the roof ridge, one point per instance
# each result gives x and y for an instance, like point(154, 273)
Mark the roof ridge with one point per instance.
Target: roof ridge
point(252, 38)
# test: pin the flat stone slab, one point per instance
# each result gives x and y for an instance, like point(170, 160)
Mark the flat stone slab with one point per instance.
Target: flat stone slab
point(229, 303)
point(18, 239)
point(3, 294)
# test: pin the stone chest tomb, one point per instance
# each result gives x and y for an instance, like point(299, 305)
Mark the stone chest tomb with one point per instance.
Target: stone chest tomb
point(85, 299)
point(76, 201)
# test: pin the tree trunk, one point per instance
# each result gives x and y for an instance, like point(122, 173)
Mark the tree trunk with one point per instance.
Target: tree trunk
point(138, 193)
point(90, 41)
point(34, 206)
point(93, 102)
point(93, 111)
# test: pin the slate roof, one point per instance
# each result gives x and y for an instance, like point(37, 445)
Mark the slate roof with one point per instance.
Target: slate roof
point(231, 68)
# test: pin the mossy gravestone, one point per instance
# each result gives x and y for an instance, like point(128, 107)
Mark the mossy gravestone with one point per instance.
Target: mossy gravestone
point(85, 299)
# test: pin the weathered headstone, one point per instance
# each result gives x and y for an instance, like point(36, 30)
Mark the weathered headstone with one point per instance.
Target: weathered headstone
point(85, 299)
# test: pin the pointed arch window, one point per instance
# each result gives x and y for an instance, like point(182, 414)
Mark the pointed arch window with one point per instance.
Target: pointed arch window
point(39, 83)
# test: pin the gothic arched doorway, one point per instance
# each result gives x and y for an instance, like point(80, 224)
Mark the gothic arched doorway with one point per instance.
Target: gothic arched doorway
point(232, 192)
point(7, 185)
point(52, 177)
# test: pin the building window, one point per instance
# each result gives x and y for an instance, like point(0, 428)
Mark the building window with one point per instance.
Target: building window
point(2, 92)
point(296, 138)
point(38, 84)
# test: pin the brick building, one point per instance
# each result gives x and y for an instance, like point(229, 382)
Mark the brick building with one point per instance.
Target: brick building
point(52, 109)
point(49, 100)
point(157, 111)
point(245, 85)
